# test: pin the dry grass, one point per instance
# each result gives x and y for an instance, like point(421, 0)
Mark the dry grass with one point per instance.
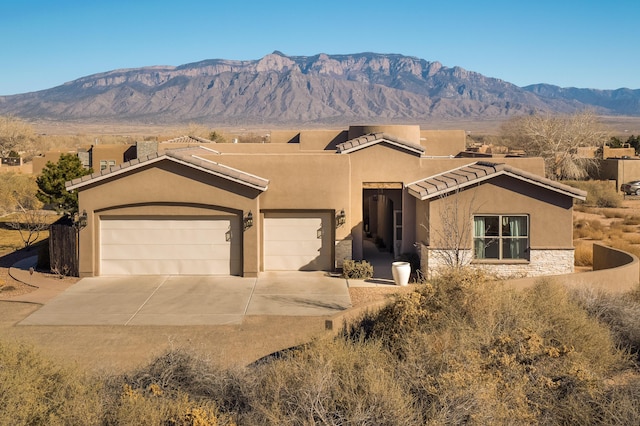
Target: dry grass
point(632, 220)
point(633, 238)
point(583, 254)
point(462, 349)
point(588, 229)
point(10, 239)
point(621, 234)
point(612, 214)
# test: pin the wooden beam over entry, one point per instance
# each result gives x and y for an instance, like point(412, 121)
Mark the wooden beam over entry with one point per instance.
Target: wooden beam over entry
point(382, 185)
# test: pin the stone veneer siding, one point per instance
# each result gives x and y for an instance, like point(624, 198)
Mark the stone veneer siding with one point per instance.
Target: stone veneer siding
point(541, 262)
point(343, 251)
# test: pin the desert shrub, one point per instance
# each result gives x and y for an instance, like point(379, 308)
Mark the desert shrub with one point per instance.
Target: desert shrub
point(473, 351)
point(331, 382)
point(599, 193)
point(620, 312)
point(150, 406)
point(619, 404)
point(583, 255)
point(36, 391)
point(357, 270)
point(632, 220)
point(632, 238)
point(178, 384)
point(622, 227)
point(592, 229)
point(612, 214)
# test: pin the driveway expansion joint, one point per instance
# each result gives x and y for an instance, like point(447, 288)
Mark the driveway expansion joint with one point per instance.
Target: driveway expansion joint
point(147, 300)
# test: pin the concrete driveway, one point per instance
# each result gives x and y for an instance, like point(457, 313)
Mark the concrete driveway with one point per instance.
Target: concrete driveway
point(193, 300)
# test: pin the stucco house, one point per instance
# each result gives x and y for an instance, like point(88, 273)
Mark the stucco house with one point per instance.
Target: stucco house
point(309, 200)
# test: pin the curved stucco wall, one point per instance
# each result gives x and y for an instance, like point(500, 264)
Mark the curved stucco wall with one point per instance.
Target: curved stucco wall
point(404, 132)
point(614, 271)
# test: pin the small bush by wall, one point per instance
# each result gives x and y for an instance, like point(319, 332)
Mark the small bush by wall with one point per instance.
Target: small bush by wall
point(357, 270)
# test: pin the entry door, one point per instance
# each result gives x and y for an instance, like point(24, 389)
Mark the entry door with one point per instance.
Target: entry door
point(298, 242)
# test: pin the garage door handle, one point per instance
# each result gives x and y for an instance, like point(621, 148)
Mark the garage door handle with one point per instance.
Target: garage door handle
point(319, 233)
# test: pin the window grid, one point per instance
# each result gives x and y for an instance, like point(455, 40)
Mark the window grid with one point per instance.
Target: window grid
point(501, 237)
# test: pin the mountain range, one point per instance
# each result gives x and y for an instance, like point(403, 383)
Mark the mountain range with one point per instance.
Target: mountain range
point(313, 90)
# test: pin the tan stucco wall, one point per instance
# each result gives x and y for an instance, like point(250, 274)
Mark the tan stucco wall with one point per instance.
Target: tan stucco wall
point(443, 142)
point(550, 214)
point(409, 133)
point(301, 182)
point(38, 163)
point(256, 148)
point(321, 140)
point(619, 170)
point(166, 188)
point(608, 152)
point(108, 153)
point(284, 136)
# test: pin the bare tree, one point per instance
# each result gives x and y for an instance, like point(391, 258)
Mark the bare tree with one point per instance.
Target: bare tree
point(15, 135)
point(18, 199)
point(452, 239)
point(29, 223)
point(557, 140)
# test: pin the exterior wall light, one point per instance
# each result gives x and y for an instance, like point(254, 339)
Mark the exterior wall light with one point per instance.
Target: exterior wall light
point(80, 221)
point(248, 220)
point(341, 218)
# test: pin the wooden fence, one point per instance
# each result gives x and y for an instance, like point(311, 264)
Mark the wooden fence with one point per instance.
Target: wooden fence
point(63, 249)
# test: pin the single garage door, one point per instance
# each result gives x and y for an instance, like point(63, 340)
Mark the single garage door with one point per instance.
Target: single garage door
point(170, 246)
point(298, 242)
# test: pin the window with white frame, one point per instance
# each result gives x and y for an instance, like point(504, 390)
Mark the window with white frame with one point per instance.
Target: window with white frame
point(500, 236)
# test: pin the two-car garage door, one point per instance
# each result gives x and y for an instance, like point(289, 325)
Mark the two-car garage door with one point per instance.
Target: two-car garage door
point(170, 245)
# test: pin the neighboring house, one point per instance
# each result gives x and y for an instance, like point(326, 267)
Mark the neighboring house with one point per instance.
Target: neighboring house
point(101, 157)
point(309, 200)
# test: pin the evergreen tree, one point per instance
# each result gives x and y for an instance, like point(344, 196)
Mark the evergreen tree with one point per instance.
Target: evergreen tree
point(51, 183)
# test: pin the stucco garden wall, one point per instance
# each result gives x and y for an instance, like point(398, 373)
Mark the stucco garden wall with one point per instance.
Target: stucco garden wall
point(613, 271)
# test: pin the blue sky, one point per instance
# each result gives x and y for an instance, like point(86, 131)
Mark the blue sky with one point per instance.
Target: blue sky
point(563, 42)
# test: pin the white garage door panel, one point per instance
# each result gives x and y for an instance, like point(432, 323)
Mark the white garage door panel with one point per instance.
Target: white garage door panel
point(161, 236)
point(165, 252)
point(284, 248)
point(297, 241)
point(171, 267)
point(163, 246)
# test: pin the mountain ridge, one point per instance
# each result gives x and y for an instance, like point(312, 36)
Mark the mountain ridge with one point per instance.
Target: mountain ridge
point(293, 90)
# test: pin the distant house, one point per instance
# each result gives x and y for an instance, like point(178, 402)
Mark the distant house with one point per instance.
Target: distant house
point(308, 200)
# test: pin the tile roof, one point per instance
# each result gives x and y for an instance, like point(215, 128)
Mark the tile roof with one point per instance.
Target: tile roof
point(376, 138)
point(188, 139)
point(186, 156)
point(479, 171)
